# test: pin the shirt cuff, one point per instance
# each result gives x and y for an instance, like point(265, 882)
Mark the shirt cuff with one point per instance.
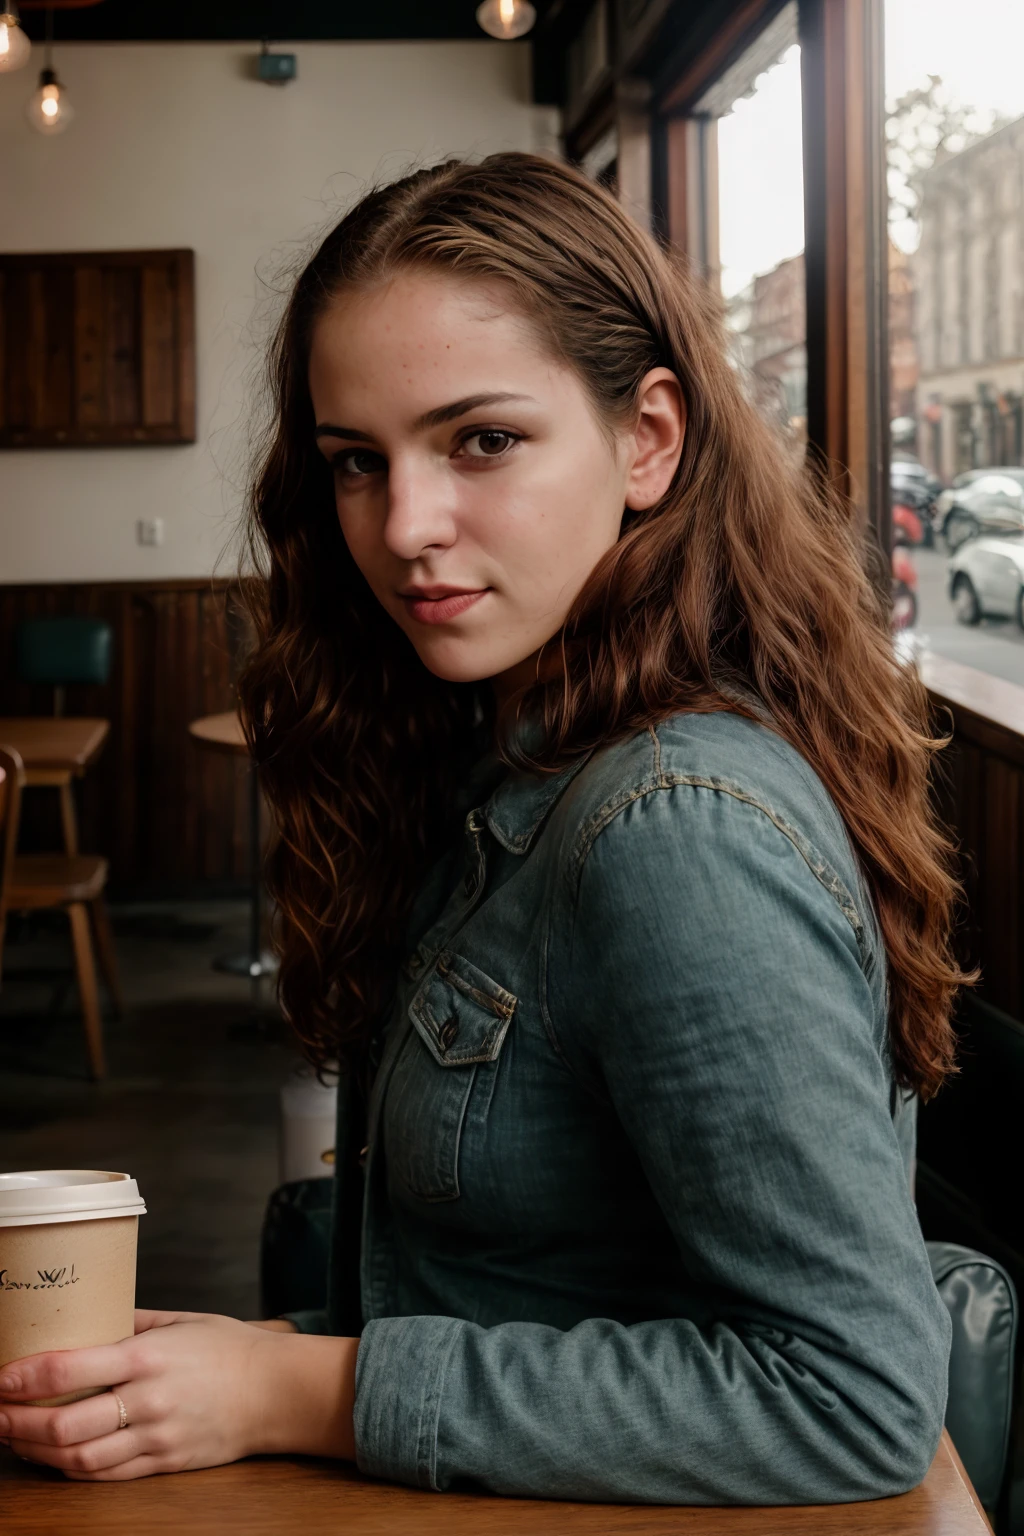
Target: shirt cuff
point(400, 1371)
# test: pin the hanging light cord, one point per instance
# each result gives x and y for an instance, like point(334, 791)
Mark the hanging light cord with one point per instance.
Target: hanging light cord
point(48, 56)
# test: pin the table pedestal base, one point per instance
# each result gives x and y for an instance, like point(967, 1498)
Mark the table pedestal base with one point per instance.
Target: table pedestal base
point(255, 967)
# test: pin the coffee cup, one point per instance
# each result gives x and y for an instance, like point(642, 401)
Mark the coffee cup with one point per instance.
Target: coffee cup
point(308, 1113)
point(68, 1248)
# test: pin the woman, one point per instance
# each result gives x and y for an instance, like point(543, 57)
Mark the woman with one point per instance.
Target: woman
point(605, 858)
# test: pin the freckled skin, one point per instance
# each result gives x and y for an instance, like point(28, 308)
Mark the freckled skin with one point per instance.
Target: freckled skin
point(436, 506)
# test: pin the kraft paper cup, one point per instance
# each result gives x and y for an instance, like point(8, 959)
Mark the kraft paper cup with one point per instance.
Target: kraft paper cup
point(68, 1247)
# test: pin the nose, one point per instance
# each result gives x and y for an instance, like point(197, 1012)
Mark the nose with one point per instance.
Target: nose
point(420, 512)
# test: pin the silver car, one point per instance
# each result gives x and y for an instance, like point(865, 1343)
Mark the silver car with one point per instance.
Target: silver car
point(986, 579)
point(986, 501)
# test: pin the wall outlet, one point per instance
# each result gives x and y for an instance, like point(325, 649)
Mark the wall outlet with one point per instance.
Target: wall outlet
point(150, 530)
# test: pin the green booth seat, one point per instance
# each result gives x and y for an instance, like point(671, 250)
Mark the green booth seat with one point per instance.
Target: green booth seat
point(59, 651)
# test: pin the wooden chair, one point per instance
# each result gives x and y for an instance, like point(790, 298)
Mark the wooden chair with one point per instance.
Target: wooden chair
point(33, 882)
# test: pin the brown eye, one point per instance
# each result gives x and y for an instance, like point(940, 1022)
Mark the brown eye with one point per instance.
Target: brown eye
point(358, 461)
point(490, 445)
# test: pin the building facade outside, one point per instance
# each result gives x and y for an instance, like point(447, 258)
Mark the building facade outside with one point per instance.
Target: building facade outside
point(768, 321)
point(903, 360)
point(970, 307)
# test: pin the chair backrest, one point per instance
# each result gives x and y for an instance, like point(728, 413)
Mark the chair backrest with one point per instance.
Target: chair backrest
point(13, 770)
point(64, 650)
point(982, 1302)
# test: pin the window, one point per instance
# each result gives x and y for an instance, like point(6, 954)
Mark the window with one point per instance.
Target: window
point(761, 221)
point(744, 219)
point(955, 153)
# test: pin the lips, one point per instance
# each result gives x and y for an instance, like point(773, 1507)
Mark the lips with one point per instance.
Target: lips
point(440, 605)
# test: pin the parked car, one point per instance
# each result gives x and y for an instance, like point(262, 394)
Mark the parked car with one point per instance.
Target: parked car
point(986, 579)
point(904, 590)
point(956, 499)
point(994, 503)
point(903, 469)
point(968, 476)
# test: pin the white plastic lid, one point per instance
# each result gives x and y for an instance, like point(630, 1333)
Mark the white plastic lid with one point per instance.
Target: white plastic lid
point(67, 1194)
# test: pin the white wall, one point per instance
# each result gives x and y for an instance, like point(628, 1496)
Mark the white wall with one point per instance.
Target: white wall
point(176, 145)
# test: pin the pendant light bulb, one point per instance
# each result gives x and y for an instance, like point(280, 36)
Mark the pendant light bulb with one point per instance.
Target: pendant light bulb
point(48, 109)
point(14, 44)
point(506, 19)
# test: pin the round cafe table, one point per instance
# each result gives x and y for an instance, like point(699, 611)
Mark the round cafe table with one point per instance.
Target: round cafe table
point(223, 733)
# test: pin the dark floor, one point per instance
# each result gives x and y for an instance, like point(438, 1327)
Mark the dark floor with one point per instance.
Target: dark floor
point(189, 1108)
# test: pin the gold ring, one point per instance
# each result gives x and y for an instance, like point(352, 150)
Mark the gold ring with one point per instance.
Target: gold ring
point(122, 1410)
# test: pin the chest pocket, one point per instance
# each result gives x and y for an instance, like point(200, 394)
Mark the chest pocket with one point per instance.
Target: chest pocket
point(444, 1074)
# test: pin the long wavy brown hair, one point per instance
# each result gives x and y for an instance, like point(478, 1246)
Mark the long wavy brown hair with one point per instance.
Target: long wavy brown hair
point(746, 577)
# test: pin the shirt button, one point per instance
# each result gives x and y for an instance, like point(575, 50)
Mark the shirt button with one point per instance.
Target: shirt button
point(448, 1033)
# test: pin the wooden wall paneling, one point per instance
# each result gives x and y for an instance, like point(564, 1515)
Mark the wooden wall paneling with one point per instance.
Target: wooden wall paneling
point(123, 744)
point(174, 772)
point(150, 760)
point(217, 842)
point(999, 913)
point(189, 660)
point(238, 640)
point(965, 816)
point(979, 789)
point(221, 781)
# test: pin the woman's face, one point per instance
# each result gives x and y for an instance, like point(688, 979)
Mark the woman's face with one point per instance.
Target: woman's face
point(475, 487)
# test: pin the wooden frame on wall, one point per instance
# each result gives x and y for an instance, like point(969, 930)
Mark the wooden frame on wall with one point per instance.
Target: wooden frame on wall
point(97, 349)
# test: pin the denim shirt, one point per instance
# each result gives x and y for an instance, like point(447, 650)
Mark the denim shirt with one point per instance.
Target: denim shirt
point(637, 1223)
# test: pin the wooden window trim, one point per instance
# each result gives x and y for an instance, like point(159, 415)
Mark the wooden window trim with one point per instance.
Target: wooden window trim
point(845, 251)
point(845, 223)
point(728, 42)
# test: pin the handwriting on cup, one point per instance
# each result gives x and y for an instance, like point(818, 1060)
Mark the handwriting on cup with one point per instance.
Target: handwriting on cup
point(48, 1280)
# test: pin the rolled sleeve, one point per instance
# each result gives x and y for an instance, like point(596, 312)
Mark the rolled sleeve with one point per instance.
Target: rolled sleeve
point(400, 1375)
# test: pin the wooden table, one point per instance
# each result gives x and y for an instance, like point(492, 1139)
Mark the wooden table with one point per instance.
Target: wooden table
point(56, 750)
point(277, 1497)
point(221, 732)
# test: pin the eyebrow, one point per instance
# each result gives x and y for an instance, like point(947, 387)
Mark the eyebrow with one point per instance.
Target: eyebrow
point(435, 418)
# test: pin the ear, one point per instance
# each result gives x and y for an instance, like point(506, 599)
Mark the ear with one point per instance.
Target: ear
point(657, 439)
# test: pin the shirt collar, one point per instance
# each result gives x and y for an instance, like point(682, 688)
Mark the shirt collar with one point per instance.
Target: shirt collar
point(522, 801)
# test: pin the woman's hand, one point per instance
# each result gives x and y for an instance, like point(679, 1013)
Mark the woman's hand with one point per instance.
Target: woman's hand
point(198, 1390)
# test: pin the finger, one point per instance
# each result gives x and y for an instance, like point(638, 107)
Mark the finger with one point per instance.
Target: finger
point(69, 1370)
point(142, 1466)
point(90, 1456)
point(70, 1425)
